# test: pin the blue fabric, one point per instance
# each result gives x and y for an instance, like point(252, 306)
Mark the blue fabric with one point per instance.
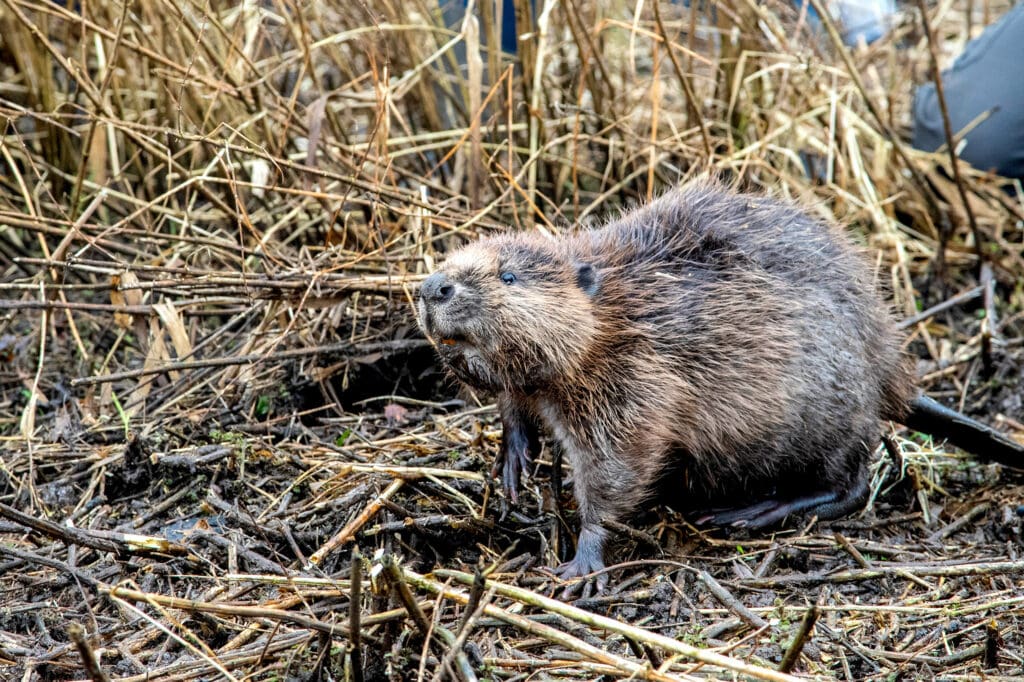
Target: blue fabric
point(987, 77)
point(863, 19)
point(509, 37)
point(455, 11)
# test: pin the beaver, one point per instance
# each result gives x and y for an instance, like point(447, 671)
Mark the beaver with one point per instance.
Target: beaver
point(715, 345)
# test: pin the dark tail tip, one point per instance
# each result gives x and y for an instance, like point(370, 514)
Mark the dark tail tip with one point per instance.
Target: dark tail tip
point(982, 440)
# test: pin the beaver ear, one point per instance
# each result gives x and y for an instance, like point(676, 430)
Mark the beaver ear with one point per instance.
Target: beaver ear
point(586, 278)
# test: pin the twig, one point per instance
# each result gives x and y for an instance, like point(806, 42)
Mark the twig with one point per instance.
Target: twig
point(354, 596)
point(768, 561)
point(731, 602)
point(857, 575)
point(949, 529)
point(630, 532)
point(254, 561)
point(993, 643)
point(110, 68)
point(455, 523)
point(104, 541)
point(92, 666)
point(476, 593)
point(799, 639)
point(34, 558)
point(948, 130)
point(194, 605)
point(465, 629)
point(937, 661)
point(397, 578)
point(684, 84)
point(989, 323)
point(255, 358)
point(853, 551)
point(142, 309)
point(352, 527)
point(250, 656)
point(962, 297)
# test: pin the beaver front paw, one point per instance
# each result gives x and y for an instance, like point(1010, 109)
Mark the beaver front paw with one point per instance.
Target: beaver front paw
point(588, 560)
point(517, 449)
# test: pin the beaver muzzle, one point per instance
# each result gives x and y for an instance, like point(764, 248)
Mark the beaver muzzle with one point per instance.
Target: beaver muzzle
point(437, 289)
point(436, 292)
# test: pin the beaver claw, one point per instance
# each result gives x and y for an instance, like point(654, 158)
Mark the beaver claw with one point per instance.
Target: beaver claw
point(517, 460)
point(519, 442)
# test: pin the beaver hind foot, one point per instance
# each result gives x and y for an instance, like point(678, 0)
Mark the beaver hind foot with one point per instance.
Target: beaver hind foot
point(825, 505)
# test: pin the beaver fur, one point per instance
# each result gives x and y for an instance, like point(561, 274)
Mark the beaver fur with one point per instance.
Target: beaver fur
point(716, 346)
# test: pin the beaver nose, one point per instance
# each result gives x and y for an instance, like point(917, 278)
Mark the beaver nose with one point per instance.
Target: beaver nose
point(437, 288)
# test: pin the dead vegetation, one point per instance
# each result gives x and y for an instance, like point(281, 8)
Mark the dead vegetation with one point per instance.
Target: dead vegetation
point(212, 222)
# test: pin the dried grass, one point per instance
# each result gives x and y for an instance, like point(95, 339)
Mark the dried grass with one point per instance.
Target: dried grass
point(213, 217)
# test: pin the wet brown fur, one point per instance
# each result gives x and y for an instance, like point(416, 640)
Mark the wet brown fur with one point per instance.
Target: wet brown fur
point(732, 343)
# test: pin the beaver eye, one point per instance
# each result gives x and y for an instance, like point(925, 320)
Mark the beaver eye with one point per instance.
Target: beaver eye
point(508, 277)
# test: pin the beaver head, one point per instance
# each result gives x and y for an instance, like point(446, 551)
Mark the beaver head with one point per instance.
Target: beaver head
point(514, 312)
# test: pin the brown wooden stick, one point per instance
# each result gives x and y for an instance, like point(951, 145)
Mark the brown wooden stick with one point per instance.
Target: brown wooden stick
point(104, 541)
point(92, 666)
point(730, 602)
point(853, 551)
point(446, 640)
point(962, 297)
point(684, 84)
point(799, 639)
point(948, 130)
point(990, 322)
point(346, 348)
point(350, 529)
point(237, 610)
point(856, 575)
point(354, 613)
